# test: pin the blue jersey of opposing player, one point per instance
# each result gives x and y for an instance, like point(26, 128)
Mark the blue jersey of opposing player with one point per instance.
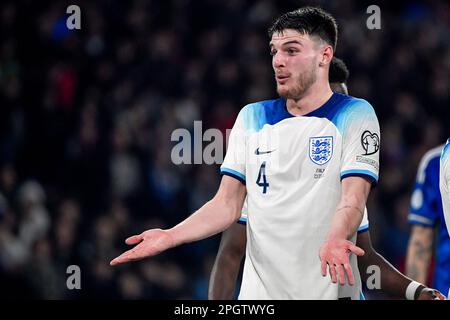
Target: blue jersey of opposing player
point(426, 210)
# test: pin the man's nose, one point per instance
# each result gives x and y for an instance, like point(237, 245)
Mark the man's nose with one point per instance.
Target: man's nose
point(278, 60)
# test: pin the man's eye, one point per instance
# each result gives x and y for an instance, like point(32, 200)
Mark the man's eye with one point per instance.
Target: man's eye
point(292, 51)
point(273, 52)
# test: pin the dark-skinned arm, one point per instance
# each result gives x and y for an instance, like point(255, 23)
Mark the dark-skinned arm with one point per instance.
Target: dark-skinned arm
point(392, 281)
point(227, 264)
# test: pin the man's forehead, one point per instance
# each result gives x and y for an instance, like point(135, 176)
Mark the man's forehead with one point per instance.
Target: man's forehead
point(288, 35)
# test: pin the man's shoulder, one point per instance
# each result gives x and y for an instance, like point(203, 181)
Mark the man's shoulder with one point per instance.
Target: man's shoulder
point(432, 154)
point(347, 103)
point(429, 162)
point(445, 150)
point(255, 115)
point(347, 110)
point(258, 105)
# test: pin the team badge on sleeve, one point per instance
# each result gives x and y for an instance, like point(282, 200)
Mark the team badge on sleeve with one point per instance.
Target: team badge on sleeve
point(320, 149)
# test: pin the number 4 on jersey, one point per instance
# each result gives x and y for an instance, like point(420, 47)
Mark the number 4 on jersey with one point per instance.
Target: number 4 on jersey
point(262, 175)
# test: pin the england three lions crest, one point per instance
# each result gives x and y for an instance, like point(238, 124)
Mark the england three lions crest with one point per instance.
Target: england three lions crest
point(320, 149)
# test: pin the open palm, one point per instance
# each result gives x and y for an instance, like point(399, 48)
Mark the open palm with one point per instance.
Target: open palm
point(148, 243)
point(335, 254)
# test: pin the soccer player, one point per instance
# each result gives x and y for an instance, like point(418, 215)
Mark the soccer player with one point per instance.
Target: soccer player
point(232, 245)
point(306, 162)
point(444, 185)
point(427, 219)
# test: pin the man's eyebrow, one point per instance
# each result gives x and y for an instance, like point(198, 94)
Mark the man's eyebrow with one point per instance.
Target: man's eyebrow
point(288, 42)
point(293, 42)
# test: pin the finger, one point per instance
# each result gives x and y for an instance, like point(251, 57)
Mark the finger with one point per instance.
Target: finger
point(440, 295)
point(356, 250)
point(349, 272)
point(127, 256)
point(134, 239)
point(119, 260)
point(323, 266)
point(116, 261)
point(340, 272)
point(332, 273)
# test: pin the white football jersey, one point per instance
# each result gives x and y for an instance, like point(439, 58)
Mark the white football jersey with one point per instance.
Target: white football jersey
point(355, 292)
point(292, 168)
point(346, 291)
point(444, 183)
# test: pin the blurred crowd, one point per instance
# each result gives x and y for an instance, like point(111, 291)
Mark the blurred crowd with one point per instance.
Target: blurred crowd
point(86, 118)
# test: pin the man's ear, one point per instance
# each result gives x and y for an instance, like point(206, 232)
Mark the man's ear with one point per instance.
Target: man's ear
point(327, 56)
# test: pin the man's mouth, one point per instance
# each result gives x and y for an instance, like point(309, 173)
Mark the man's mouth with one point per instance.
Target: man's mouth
point(282, 78)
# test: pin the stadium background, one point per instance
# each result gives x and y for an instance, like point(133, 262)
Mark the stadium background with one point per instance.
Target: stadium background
point(86, 118)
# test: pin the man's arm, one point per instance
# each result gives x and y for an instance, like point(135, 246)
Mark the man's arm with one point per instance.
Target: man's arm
point(228, 261)
point(213, 217)
point(420, 249)
point(347, 218)
point(392, 281)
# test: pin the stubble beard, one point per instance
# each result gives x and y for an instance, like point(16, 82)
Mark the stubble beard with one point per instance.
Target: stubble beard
point(304, 82)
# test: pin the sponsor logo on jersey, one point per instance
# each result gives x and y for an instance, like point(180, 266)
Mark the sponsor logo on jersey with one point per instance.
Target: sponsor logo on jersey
point(258, 152)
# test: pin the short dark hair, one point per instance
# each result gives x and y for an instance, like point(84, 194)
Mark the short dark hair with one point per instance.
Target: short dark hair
point(312, 21)
point(338, 71)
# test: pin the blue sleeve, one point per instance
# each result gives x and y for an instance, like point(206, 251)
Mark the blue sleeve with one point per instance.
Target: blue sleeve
point(360, 130)
point(425, 197)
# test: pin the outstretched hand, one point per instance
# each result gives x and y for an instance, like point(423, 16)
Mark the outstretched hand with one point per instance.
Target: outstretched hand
point(148, 243)
point(335, 253)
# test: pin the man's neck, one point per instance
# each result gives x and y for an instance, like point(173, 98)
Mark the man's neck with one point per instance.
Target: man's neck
point(314, 98)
